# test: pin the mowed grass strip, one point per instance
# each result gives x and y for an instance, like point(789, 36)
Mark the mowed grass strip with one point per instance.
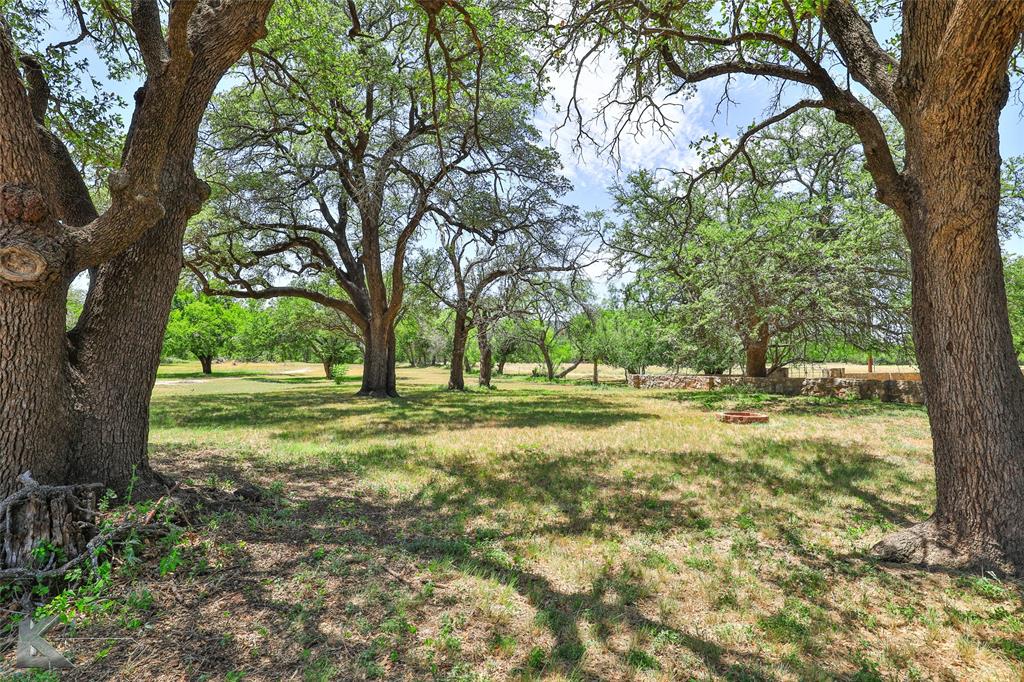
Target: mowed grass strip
point(543, 531)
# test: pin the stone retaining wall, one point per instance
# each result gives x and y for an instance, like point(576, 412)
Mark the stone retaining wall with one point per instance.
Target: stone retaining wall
point(910, 392)
point(884, 376)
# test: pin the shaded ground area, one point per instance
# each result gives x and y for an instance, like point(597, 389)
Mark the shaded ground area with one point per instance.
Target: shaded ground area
point(536, 532)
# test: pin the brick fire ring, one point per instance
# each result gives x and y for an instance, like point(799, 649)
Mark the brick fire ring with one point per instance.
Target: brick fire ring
point(742, 417)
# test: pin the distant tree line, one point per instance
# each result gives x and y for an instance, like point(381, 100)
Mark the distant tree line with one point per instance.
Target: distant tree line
point(209, 328)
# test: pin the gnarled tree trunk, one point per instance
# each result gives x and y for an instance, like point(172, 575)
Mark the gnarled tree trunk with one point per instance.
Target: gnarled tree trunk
point(456, 373)
point(379, 361)
point(569, 370)
point(35, 400)
point(88, 392)
point(483, 341)
point(37, 264)
point(113, 416)
point(549, 364)
point(974, 386)
point(757, 353)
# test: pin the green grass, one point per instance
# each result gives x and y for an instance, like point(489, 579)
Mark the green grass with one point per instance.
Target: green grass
point(540, 532)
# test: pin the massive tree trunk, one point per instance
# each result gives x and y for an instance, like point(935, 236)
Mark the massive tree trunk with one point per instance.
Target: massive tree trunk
point(206, 362)
point(35, 405)
point(129, 300)
point(974, 386)
point(483, 341)
point(379, 360)
point(595, 380)
point(456, 374)
point(757, 353)
point(328, 369)
point(36, 269)
point(88, 392)
point(130, 296)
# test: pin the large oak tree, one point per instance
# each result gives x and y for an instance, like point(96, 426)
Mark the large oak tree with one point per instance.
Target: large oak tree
point(944, 80)
point(494, 231)
point(336, 143)
point(786, 248)
point(74, 406)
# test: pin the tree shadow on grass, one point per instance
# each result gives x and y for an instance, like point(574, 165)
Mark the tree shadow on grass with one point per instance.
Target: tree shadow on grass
point(814, 469)
point(734, 398)
point(450, 521)
point(374, 541)
point(218, 373)
point(300, 381)
point(330, 411)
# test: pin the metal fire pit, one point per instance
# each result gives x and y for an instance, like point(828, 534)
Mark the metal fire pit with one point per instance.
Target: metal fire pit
point(742, 418)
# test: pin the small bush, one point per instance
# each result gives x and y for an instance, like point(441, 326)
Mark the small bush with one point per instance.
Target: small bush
point(338, 373)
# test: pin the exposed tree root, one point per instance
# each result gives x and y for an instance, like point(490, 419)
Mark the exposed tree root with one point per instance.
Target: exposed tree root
point(934, 545)
point(378, 393)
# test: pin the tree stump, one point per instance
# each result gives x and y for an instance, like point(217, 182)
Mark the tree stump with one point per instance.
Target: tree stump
point(45, 526)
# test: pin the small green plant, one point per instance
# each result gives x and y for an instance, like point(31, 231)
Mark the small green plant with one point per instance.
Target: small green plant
point(806, 581)
point(536, 659)
point(990, 588)
point(172, 560)
point(791, 624)
point(1011, 648)
point(504, 644)
point(641, 660)
point(339, 373)
point(46, 554)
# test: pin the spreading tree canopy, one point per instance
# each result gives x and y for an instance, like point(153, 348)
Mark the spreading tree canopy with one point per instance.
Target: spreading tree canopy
point(335, 144)
point(943, 81)
point(785, 249)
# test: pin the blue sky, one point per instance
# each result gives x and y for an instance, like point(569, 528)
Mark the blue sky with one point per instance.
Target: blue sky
point(593, 170)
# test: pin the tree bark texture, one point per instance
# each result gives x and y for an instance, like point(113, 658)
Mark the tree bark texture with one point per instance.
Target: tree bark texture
point(61, 519)
point(89, 390)
point(549, 365)
point(757, 354)
point(379, 361)
point(569, 370)
point(962, 337)
point(460, 335)
point(483, 341)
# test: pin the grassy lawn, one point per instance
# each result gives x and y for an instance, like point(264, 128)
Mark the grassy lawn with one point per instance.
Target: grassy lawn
point(549, 532)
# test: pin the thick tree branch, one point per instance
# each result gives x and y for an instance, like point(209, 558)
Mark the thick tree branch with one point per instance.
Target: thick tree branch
point(248, 291)
point(149, 34)
point(222, 35)
point(867, 62)
point(38, 87)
